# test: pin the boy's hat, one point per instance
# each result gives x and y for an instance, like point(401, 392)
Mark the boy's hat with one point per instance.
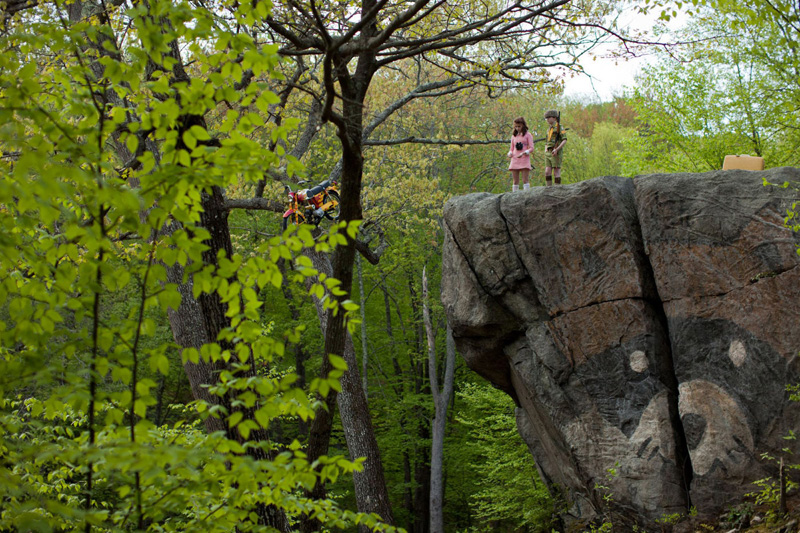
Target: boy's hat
point(552, 113)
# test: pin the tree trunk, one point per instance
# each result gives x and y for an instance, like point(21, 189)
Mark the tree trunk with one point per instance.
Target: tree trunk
point(319, 438)
point(199, 321)
point(364, 351)
point(421, 387)
point(187, 329)
point(370, 485)
point(440, 402)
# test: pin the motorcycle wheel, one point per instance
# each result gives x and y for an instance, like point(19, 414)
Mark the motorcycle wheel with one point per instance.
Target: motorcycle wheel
point(297, 218)
point(333, 214)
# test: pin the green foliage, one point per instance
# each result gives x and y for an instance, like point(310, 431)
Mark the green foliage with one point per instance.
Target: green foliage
point(725, 92)
point(508, 494)
point(604, 488)
point(791, 221)
point(738, 513)
point(670, 519)
point(605, 527)
point(110, 153)
point(685, 121)
point(769, 488)
point(766, 30)
point(107, 175)
point(179, 477)
point(794, 392)
point(597, 155)
point(768, 494)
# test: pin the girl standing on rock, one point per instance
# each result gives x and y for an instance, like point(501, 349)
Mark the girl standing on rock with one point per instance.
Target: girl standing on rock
point(520, 154)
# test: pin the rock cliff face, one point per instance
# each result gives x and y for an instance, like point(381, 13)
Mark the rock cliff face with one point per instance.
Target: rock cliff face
point(646, 327)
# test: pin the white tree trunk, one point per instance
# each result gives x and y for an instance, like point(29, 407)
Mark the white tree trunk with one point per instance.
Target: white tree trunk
point(440, 401)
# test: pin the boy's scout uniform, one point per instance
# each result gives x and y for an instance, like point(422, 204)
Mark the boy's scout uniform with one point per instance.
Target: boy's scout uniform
point(552, 140)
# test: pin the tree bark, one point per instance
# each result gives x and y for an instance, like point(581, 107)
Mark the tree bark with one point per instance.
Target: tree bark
point(199, 321)
point(441, 399)
point(188, 323)
point(369, 484)
point(364, 351)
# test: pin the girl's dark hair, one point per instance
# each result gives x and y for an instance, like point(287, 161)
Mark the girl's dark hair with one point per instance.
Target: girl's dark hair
point(523, 128)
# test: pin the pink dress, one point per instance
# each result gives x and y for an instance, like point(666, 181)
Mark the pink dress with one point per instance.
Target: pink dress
point(524, 162)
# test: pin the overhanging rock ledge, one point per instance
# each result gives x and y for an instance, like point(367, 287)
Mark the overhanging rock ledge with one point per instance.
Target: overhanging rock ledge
point(648, 325)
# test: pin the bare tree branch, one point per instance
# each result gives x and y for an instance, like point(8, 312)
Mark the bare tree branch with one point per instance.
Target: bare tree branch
point(625, 40)
point(373, 257)
point(8, 8)
point(419, 140)
point(466, 35)
point(256, 204)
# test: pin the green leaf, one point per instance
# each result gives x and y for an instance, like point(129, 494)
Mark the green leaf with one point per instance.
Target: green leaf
point(235, 418)
point(190, 141)
point(190, 355)
point(118, 115)
point(132, 143)
point(199, 133)
point(140, 408)
point(337, 362)
point(162, 364)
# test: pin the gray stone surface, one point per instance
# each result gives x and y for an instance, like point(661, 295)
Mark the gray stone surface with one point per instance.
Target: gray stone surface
point(646, 325)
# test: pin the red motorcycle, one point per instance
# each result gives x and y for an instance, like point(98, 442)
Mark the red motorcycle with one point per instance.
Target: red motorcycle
point(310, 206)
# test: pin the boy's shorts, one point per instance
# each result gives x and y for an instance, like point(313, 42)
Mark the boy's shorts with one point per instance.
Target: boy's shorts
point(553, 161)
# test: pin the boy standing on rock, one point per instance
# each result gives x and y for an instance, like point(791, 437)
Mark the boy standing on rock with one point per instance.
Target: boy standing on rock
point(554, 142)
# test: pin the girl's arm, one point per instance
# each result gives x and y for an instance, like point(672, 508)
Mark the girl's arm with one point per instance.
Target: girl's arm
point(529, 138)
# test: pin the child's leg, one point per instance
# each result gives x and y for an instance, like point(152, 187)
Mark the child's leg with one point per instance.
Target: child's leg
point(548, 173)
point(525, 181)
point(515, 178)
point(557, 175)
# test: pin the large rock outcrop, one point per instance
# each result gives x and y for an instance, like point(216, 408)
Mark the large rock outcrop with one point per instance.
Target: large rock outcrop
point(646, 328)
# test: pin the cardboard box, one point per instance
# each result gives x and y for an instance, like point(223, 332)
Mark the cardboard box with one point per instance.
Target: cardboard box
point(743, 162)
